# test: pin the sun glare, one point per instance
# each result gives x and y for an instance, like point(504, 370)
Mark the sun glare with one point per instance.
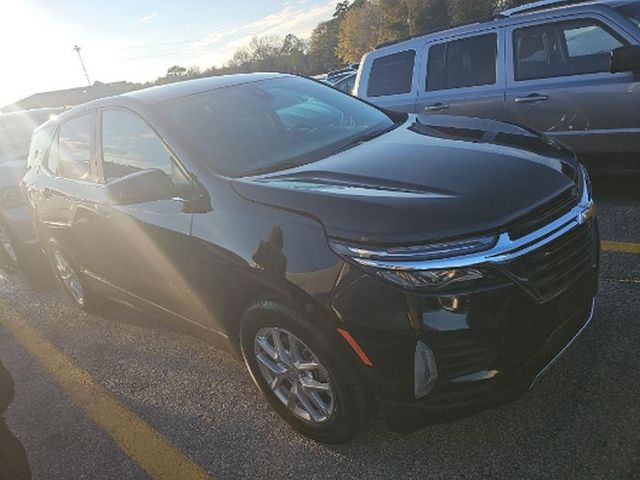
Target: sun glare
point(39, 48)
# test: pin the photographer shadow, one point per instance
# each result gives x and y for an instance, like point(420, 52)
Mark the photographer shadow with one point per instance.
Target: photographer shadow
point(13, 459)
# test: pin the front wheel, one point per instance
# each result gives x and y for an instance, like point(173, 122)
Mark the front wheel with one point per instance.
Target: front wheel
point(71, 279)
point(304, 376)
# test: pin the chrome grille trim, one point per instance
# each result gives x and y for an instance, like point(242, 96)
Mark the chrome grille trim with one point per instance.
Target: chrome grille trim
point(505, 249)
point(540, 216)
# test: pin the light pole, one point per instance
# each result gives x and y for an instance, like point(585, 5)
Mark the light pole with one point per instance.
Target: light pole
point(77, 49)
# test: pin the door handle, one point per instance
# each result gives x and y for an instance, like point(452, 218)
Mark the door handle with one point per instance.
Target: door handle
point(436, 107)
point(533, 98)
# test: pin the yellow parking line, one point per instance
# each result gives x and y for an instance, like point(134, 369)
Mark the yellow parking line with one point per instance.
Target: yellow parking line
point(622, 247)
point(134, 436)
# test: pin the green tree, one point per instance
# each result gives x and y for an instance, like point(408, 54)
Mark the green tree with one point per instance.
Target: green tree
point(361, 30)
point(428, 15)
point(176, 71)
point(271, 53)
point(395, 19)
point(323, 44)
point(463, 11)
point(294, 54)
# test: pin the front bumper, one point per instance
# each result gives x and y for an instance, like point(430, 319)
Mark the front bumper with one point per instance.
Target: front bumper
point(489, 346)
point(409, 416)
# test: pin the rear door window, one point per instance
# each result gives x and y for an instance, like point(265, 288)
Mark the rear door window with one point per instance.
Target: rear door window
point(72, 157)
point(559, 49)
point(469, 62)
point(391, 74)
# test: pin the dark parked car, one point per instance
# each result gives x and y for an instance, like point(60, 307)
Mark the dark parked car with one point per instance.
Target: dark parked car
point(428, 266)
point(19, 245)
point(346, 83)
point(343, 79)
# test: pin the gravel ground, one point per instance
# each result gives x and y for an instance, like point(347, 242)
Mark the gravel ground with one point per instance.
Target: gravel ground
point(582, 420)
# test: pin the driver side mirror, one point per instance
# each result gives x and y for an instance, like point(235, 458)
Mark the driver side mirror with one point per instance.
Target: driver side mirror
point(140, 187)
point(626, 59)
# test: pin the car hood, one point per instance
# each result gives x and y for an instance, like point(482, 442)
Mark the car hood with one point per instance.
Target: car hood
point(433, 177)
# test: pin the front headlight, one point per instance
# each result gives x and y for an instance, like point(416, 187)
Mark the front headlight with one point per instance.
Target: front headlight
point(415, 267)
point(431, 279)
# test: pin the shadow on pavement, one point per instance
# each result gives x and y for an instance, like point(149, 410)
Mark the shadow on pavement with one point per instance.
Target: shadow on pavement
point(13, 459)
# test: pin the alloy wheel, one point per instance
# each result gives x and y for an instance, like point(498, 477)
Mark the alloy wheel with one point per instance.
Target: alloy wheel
point(295, 375)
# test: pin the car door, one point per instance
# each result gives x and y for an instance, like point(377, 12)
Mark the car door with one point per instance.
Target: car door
point(559, 83)
point(68, 187)
point(146, 251)
point(464, 76)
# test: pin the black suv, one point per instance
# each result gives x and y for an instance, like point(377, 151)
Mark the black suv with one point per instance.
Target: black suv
point(352, 258)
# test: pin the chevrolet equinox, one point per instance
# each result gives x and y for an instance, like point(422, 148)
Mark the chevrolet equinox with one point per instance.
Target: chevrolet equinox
point(355, 260)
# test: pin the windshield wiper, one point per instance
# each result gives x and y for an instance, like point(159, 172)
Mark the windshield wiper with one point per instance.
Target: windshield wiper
point(271, 168)
point(364, 138)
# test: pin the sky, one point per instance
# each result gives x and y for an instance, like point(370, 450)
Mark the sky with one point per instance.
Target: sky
point(134, 40)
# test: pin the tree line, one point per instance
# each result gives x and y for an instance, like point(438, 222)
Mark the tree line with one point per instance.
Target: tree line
point(355, 28)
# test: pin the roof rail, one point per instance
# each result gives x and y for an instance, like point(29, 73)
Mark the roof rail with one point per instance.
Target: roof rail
point(539, 5)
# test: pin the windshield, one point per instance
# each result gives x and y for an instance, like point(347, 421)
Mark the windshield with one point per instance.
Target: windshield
point(631, 11)
point(270, 125)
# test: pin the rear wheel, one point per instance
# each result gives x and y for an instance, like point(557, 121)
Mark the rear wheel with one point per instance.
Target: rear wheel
point(304, 376)
point(71, 279)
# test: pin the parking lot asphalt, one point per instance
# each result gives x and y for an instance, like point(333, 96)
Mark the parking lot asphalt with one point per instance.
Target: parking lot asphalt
point(110, 396)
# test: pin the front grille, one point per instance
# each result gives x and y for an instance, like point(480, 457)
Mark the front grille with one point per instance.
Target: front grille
point(549, 269)
point(544, 214)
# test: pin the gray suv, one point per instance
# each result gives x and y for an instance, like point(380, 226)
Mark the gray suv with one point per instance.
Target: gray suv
point(567, 68)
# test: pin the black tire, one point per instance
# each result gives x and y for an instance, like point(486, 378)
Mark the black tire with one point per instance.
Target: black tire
point(27, 258)
point(88, 301)
point(352, 405)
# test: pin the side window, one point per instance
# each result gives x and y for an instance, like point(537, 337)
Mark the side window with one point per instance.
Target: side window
point(391, 74)
point(129, 145)
point(72, 157)
point(565, 48)
point(470, 62)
